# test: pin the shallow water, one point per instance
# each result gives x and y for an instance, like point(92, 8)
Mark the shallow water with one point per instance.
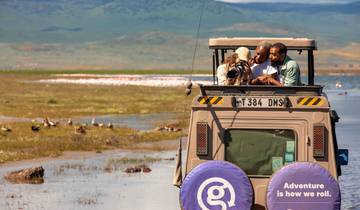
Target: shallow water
point(348, 133)
point(138, 122)
point(141, 122)
point(84, 184)
point(94, 188)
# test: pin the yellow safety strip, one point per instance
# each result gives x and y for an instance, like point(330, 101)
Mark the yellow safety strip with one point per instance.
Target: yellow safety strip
point(210, 100)
point(310, 101)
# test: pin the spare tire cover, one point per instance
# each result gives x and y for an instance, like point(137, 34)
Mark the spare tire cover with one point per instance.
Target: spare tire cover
point(303, 185)
point(216, 185)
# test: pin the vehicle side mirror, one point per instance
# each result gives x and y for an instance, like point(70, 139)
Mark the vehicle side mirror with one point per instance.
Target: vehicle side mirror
point(342, 157)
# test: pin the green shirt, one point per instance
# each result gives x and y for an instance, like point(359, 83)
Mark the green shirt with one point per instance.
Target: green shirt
point(290, 73)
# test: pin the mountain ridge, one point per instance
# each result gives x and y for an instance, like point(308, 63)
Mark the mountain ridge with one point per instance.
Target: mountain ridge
point(159, 33)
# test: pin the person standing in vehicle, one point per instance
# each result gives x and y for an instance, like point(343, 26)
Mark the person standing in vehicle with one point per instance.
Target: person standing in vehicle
point(235, 70)
point(289, 69)
point(243, 66)
point(261, 64)
point(224, 68)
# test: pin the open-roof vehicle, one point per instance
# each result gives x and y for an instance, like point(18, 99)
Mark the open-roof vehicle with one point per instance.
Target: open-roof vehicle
point(262, 147)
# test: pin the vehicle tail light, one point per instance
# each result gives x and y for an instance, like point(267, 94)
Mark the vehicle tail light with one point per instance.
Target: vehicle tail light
point(319, 141)
point(202, 138)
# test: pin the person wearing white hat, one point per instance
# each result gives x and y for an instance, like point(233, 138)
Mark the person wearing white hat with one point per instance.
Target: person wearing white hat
point(223, 69)
point(243, 66)
point(243, 54)
point(235, 70)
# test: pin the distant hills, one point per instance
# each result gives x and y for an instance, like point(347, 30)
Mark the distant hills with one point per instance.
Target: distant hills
point(153, 34)
point(345, 8)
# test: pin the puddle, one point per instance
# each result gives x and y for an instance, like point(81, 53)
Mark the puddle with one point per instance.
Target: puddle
point(140, 122)
point(15, 119)
point(84, 184)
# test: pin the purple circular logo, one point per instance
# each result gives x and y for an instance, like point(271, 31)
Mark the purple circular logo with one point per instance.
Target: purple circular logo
point(216, 185)
point(303, 185)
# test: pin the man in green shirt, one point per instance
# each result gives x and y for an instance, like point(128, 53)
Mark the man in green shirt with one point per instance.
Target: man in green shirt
point(289, 69)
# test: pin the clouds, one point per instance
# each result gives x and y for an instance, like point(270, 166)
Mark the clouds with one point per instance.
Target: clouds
point(290, 1)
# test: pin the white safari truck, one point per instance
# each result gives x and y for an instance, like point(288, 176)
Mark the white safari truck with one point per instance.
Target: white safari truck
point(262, 147)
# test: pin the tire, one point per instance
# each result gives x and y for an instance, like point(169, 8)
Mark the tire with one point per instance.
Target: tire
point(302, 186)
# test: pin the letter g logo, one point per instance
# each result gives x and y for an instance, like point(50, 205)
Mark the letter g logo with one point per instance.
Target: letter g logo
point(216, 187)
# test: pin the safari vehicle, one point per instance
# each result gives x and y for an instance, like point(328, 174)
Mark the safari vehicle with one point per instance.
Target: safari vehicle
point(262, 147)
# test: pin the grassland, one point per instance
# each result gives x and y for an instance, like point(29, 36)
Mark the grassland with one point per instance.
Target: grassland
point(22, 97)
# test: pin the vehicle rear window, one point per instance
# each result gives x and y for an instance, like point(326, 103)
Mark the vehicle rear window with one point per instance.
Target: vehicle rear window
point(260, 151)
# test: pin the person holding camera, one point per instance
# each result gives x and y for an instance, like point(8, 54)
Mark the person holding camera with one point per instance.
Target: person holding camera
point(236, 69)
point(224, 68)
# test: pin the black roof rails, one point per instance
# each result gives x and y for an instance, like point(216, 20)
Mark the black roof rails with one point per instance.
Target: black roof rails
point(259, 90)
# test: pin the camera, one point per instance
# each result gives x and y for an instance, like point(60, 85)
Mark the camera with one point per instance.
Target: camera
point(236, 71)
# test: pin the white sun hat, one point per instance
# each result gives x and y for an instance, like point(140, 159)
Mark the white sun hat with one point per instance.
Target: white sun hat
point(243, 53)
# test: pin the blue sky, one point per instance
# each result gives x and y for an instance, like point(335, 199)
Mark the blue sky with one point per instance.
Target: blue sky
point(291, 1)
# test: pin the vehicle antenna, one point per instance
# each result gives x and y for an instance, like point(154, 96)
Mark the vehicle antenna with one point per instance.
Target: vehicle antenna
point(197, 35)
point(177, 179)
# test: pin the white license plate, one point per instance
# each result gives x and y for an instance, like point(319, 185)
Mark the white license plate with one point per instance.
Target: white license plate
point(260, 102)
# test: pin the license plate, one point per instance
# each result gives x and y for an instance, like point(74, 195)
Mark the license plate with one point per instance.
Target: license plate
point(260, 102)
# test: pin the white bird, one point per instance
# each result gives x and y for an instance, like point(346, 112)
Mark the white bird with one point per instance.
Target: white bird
point(94, 123)
point(69, 122)
point(338, 84)
point(46, 122)
point(5, 129)
point(52, 123)
point(110, 125)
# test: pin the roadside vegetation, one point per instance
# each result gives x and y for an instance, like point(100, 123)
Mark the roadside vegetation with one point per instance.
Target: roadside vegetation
point(21, 97)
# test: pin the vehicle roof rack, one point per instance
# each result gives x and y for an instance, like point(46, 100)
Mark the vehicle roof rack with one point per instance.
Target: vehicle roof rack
point(259, 90)
point(252, 42)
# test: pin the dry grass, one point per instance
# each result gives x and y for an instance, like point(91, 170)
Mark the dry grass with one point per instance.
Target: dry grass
point(21, 97)
point(23, 143)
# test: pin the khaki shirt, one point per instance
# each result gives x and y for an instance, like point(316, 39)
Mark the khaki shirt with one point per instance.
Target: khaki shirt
point(290, 73)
